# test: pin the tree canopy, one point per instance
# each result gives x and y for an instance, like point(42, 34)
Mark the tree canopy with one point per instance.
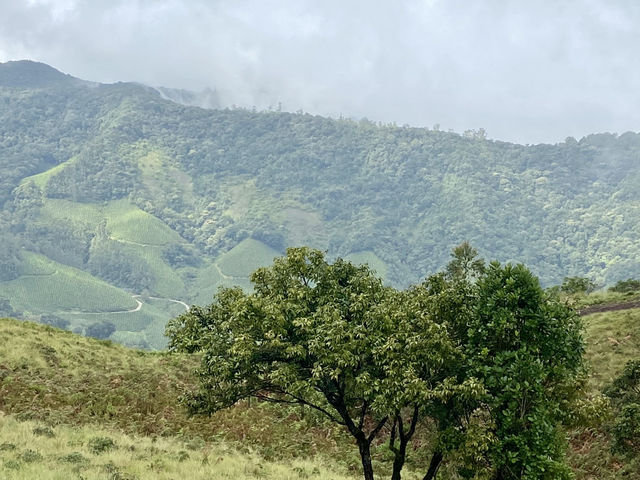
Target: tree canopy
point(481, 351)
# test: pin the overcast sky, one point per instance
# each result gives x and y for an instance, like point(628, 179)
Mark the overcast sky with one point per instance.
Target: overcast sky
point(526, 71)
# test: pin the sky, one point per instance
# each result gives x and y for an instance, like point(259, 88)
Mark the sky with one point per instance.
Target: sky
point(525, 71)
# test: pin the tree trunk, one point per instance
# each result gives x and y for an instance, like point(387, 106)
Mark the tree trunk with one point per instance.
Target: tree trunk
point(501, 474)
point(398, 461)
point(433, 466)
point(365, 456)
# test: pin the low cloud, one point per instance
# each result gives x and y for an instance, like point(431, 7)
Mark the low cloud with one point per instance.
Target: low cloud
point(535, 72)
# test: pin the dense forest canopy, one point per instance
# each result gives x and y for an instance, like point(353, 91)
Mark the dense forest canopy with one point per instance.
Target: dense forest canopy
point(77, 157)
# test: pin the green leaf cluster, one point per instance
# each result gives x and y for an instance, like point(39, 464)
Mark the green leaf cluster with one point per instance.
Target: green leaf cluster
point(625, 395)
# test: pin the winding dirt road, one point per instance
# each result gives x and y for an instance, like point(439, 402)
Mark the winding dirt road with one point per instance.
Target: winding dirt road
point(609, 307)
point(137, 308)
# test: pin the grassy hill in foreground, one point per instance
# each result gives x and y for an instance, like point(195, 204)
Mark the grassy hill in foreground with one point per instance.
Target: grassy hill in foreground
point(30, 450)
point(82, 389)
point(64, 381)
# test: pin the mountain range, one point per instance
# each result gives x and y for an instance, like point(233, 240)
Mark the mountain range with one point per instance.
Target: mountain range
point(122, 204)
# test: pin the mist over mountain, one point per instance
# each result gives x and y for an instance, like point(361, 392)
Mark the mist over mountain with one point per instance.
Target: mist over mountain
point(207, 98)
point(525, 72)
point(116, 188)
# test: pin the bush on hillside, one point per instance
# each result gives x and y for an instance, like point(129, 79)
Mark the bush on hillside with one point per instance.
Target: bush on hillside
point(573, 285)
point(626, 286)
point(100, 330)
point(625, 395)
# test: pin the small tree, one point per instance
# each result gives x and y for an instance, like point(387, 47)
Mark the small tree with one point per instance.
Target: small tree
point(526, 347)
point(625, 396)
point(100, 330)
point(54, 320)
point(626, 286)
point(573, 285)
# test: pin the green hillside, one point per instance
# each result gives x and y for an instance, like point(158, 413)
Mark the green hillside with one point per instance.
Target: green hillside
point(79, 389)
point(51, 286)
point(57, 383)
point(102, 411)
point(160, 199)
point(246, 257)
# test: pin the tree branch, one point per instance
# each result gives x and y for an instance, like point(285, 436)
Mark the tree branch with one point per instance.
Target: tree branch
point(299, 401)
point(363, 412)
point(392, 436)
point(414, 423)
point(376, 430)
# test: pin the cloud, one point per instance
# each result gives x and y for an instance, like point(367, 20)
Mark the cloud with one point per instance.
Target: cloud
point(526, 72)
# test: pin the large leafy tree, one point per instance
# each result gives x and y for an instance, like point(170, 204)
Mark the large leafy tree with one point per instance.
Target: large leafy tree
point(326, 335)
point(523, 347)
point(481, 350)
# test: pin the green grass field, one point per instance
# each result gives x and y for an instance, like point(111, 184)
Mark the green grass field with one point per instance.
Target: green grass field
point(160, 176)
point(167, 281)
point(32, 450)
point(246, 257)
point(35, 264)
point(371, 259)
point(204, 284)
point(125, 221)
point(41, 179)
point(612, 338)
point(128, 223)
point(61, 288)
point(86, 214)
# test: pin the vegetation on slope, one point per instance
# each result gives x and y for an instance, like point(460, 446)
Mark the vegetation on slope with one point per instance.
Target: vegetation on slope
point(30, 450)
point(479, 351)
point(57, 379)
point(147, 195)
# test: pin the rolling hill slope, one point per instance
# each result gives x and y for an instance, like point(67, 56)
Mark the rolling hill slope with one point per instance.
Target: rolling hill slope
point(81, 389)
point(71, 406)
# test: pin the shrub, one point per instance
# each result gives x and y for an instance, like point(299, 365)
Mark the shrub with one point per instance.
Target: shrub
point(626, 286)
point(44, 432)
point(30, 456)
point(53, 320)
point(12, 465)
point(98, 445)
point(572, 285)
point(625, 395)
point(100, 330)
point(626, 431)
point(75, 458)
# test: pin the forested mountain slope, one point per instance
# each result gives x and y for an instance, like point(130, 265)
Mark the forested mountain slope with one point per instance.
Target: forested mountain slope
point(128, 193)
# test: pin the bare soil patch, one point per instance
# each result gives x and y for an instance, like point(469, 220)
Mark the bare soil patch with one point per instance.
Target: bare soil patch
point(608, 307)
